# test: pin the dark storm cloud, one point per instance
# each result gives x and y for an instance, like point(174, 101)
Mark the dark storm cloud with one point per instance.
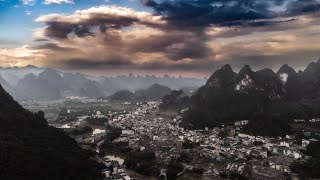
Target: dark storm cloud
point(303, 7)
point(204, 13)
point(58, 29)
point(266, 23)
point(63, 29)
point(193, 15)
point(86, 22)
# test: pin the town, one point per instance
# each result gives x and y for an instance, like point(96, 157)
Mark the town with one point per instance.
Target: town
point(204, 154)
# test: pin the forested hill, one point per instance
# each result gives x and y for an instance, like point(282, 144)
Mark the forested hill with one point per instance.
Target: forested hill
point(229, 96)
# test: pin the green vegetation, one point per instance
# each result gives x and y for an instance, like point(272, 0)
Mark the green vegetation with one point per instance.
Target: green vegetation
point(187, 144)
point(78, 130)
point(109, 146)
point(173, 170)
point(263, 124)
point(169, 113)
point(175, 100)
point(142, 162)
point(112, 133)
point(119, 147)
point(96, 121)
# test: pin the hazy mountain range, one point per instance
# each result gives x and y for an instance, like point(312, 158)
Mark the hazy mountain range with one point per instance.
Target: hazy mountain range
point(31, 82)
point(228, 96)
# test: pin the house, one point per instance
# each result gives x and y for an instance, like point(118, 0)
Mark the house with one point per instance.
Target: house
point(284, 144)
point(297, 155)
point(106, 173)
point(241, 123)
point(305, 143)
point(127, 132)
point(163, 174)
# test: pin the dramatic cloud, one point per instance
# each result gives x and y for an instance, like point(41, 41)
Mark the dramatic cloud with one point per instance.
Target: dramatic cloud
point(190, 37)
point(83, 22)
point(113, 36)
point(204, 13)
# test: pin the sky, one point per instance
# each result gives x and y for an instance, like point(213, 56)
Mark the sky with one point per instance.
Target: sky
point(178, 37)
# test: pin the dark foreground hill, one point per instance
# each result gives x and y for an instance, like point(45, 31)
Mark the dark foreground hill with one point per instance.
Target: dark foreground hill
point(31, 149)
point(229, 96)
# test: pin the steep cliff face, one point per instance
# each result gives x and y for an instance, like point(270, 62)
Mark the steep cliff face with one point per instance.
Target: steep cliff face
point(31, 149)
point(292, 82)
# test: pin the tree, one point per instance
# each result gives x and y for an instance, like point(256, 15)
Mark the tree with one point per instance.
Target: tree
point(267, 124)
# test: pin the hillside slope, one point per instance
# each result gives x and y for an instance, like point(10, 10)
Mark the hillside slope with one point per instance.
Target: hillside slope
point(31, 149)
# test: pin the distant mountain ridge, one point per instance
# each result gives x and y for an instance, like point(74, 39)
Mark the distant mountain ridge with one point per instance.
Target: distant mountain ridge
point(35, 83)
point(5, 84)
point(229, 96)
point(13, 74)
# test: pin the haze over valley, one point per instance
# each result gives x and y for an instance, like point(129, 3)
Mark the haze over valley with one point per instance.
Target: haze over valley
point(33, 83)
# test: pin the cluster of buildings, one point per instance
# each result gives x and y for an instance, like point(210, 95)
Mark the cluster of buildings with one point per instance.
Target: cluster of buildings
point(213, 155)
point(114, 170)
point(93, 139)
point(241, 154)
point(314, 120)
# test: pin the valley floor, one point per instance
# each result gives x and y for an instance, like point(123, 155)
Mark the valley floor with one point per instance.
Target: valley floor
point(203, 154)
